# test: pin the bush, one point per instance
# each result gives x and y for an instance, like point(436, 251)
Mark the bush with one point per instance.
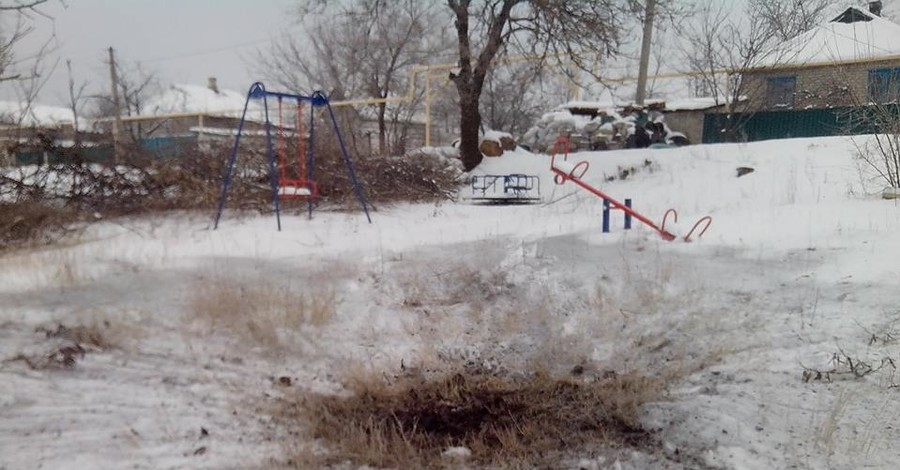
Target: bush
point(419, 176)
point(502, 421)
point(38, 202)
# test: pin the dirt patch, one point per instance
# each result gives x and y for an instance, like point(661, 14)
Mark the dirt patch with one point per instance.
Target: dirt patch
point(64, 346)
point(500, 421)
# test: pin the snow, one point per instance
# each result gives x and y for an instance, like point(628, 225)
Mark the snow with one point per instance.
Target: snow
point(798, 265)
point(833, 42)
point(39, 115)
point(675, 104)
point(495, 136)
point(181, 98)
point(693, 104)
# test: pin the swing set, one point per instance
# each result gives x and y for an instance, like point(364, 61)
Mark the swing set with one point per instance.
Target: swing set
point(289, 181)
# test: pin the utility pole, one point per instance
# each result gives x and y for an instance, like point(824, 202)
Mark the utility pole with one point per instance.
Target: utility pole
point(117, 109)
point(428, 110)
point(73, 101)
point(649, 12)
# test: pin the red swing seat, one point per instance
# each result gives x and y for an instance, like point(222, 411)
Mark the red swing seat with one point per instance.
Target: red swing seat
point(289, 187)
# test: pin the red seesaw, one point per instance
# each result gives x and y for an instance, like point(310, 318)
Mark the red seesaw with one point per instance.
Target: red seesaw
point(565, 171)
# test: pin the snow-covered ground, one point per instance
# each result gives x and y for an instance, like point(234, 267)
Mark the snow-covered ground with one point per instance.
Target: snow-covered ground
point(798, 268)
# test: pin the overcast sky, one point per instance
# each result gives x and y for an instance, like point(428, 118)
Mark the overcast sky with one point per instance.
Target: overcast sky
point(183, 41)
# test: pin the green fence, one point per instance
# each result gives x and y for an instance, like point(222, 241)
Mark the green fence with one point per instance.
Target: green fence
point(765, 125)
point(100, 154)
point(158, 147)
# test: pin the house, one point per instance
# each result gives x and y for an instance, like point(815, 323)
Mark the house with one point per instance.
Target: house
point(28, 130)
point(210, 114)
point(830, 80)
point(191, 113)
point(852, 60)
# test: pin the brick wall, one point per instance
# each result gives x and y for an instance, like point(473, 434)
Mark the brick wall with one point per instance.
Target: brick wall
point(817, 86)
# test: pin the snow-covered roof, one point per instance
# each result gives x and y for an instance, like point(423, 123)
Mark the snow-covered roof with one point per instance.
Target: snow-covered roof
point(694, 104)
point(854, 35)
point(674, 104)
point(22, 114)
point(197, 99)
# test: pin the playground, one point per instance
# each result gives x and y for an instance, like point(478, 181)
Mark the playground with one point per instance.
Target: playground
point(774, 331)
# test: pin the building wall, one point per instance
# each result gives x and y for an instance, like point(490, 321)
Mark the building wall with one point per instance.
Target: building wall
point(826, 86)
point(689, 123)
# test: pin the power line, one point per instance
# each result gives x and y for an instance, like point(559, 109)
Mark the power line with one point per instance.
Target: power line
point(208, 51)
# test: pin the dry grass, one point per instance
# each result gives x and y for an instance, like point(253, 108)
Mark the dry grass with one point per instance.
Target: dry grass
point(504, 422)
point(66, 345)
point(461, 283)
point(258, 312)
point(98, 336)
point(33, 223)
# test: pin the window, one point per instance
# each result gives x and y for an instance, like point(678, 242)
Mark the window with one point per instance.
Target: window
point(780, 92)
point(884, 85)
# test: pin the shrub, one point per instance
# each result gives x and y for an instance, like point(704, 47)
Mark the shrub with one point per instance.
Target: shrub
point(502, 421)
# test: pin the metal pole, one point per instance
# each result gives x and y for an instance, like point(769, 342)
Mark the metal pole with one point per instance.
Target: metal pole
point(427, 110)
point(606, 216)
point(117, 123)
point(231, 159)
point(641, 94)
point(627, 215)
point(350, 171)
point(270, 153)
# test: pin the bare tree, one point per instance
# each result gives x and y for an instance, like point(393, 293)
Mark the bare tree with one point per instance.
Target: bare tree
point(361, 49)
point(789, 18)
point(516, 94)
point(25, 75)
point(489, 29)
point(76, 101)
point(136, 84)
point(720, 46)
point(13, 32)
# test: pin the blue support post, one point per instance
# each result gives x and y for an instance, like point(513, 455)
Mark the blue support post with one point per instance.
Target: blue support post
point(231, 160)
point(270, 152)
point(606, 216)
point(347, 161)
point(627, 215)
point(310, 155)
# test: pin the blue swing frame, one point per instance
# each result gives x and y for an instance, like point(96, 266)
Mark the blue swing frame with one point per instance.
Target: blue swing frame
point(318, 99)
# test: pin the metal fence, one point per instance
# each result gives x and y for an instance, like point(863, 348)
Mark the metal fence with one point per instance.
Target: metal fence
point(766, 125)
point(158, 147)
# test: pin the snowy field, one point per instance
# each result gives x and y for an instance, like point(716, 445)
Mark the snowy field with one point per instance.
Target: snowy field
point(772, 315)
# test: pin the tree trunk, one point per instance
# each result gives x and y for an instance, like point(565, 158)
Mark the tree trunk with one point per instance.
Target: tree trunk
point(382, 130)
point(469, 126)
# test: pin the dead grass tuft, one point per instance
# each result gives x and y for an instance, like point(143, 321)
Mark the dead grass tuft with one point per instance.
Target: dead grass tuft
point(258, 312)
point(93, 336)
point(502, 421)
point(461, 284)
point(32, 223)
point(68, 345)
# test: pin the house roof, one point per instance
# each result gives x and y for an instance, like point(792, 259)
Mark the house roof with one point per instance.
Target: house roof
point(39, 115)
point(197, 99)
point(855, 35)
point(667, 105)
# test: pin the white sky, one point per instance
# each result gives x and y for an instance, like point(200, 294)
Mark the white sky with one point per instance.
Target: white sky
point(183, 41)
